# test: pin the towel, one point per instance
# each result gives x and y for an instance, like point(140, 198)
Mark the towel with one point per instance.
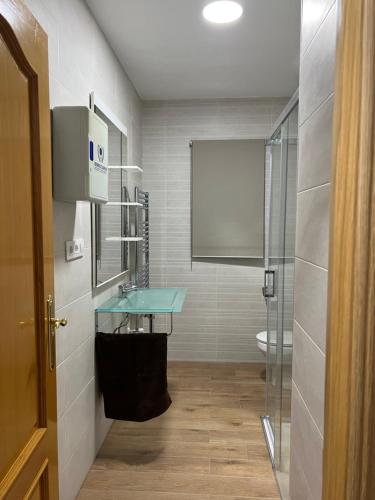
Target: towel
point(132, 371)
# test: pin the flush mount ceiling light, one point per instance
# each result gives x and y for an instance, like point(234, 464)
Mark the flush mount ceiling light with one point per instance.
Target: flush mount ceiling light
point(223, 11)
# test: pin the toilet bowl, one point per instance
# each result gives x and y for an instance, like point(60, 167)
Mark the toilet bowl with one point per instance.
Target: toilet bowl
point(287, 345)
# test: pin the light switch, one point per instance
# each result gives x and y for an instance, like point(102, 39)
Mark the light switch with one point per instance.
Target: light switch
point(74, 249)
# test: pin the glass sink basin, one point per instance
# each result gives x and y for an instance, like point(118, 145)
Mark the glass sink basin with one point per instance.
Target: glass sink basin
point(147, 301)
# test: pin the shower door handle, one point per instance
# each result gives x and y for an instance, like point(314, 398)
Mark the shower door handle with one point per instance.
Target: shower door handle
point(267, 285)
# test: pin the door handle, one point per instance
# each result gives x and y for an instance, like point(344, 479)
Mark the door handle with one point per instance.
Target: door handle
point(53, 324)
point(265, 289)
point(59, 322)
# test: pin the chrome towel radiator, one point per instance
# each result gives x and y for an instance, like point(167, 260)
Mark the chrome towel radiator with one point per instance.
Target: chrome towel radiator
point(142, 226)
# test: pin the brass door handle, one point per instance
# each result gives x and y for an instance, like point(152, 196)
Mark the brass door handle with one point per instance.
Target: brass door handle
point(58, 322)
point(53, 324)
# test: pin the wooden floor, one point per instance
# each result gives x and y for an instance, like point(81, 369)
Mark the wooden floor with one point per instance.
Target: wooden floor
point(209, 445)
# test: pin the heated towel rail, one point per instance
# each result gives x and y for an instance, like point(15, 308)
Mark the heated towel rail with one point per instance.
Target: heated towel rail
point(142, 226)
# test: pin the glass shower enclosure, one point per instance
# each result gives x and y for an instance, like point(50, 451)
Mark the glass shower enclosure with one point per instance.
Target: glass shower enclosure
point(280, 225)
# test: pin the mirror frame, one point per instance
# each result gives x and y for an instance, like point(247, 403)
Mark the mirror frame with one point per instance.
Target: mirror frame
point(96, 102)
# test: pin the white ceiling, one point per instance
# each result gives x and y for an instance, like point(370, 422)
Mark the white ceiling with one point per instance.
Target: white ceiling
point(170, 52)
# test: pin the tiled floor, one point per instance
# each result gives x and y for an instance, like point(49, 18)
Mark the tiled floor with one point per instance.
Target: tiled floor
point(208, 446)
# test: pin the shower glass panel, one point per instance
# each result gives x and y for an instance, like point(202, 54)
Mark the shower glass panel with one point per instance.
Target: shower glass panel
point(273, 367)
point(279, 291)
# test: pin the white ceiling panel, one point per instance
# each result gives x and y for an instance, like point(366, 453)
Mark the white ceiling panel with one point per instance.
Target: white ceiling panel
point(170, 51)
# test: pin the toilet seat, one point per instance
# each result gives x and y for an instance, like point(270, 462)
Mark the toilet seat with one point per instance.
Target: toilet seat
point(288, 338)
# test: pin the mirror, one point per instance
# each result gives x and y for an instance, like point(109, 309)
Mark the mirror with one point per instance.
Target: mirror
point(110, 222)
point(227, 199)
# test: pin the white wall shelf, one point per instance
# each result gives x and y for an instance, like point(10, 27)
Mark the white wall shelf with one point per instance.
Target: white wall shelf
point(123, 238)
point(125, 167)
point(124, 203)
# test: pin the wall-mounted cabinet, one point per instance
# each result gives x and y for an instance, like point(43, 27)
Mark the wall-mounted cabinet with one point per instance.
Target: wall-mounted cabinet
point(80, 155)
point(227, 205)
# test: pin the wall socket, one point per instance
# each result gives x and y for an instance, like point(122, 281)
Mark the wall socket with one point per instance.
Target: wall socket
point(74, 249)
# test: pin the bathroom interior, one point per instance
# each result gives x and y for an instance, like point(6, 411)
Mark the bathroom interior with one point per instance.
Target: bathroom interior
point(190, 264)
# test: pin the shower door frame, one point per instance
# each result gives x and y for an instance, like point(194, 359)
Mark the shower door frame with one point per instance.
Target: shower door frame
point(273, 430)
point(270, 435)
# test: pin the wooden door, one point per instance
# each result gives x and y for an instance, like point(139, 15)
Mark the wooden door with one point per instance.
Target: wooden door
point(28, 463)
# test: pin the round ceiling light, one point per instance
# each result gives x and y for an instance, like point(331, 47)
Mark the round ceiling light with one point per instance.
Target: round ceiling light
point(223, 11)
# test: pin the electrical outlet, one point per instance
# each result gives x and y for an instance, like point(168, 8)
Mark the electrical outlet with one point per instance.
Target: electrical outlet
point(74, 249)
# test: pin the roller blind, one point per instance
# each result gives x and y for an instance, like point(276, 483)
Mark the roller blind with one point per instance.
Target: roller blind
point(227, 198)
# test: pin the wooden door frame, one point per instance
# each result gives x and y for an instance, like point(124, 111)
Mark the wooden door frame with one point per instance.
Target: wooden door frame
point(349, 444)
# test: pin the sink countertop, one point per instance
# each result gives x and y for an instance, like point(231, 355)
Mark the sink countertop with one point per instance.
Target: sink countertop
point(147, 301)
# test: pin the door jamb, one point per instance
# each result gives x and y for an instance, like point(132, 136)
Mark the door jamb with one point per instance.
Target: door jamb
point(349, 446)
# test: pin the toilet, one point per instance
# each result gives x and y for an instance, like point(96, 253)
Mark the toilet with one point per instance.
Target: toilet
point(288, 344)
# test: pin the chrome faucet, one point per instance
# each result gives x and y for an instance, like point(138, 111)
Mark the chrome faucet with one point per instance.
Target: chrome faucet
point(125, 288)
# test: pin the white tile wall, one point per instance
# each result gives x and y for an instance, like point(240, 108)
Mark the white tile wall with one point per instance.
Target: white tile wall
point(313, 170)
point(310, 303)
point(80, 61)
point(313, 225)
point(313, 14)
point(307, 446)
point(317, 67)
point(299, 488)
point(309, 370)
point(224, 309)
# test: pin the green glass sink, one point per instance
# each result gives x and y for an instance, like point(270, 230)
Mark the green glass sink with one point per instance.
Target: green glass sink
point(147, 301)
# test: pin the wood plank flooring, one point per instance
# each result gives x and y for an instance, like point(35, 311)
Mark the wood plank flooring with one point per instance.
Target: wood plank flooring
point(209, 445)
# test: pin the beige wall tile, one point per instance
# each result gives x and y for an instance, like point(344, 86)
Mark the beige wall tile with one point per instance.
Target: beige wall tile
point(307, 445)
point(315, 148)
point(318, 68)
point(309, 374)
point(310, 301)
point(313, 14)
point(74, 374)
point(298, 484)
point(312, 238)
